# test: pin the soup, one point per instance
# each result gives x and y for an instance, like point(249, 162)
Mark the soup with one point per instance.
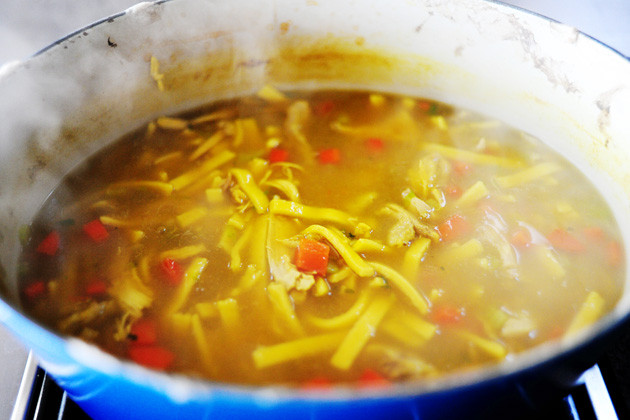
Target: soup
point(308, 238)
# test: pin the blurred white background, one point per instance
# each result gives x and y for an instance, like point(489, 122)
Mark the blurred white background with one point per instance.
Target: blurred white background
point(26, 26)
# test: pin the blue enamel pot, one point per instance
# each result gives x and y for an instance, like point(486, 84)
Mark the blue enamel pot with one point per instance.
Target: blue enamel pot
point(86, 90)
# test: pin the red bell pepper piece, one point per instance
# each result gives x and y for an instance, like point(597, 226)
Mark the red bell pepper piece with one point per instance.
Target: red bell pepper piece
point(96, 230)
point(461, 168)
point(371, 379)
point(318, 383)
point(324, 108)
point(453, 191)
point(614, 254)
point(447, 315)
point(144, 331)
point(374, 145)
point(278, 155)
point(329, 156)
point(96, 287)
point(155, 357)
point(312, 256)
point(172, 270)
point(35, 289)
point(521, 238)
point(50, 244)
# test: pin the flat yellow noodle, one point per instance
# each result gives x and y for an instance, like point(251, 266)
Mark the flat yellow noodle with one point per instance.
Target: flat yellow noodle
point(229, 314)
point(266, 356)
point(345, 319)
point(412, 323)
point(286, 187)
point(191, 276)
point(236, 262)
point(591, 310)
point(362, 330)
point(202, 344)
point(167, 157)
point(341, 245)
point(250, 277)
point(204, 147)
point(206, 310)
point(191, 216)
point(413, 257)
point(369, 245)
point(397, 281)
point(284, 307)
point(457, 253)
point(170, 123)
point(271, 94)
point(183, 252)
point(245, 180)
point(222, 114)
point(304, 212)
point(547, 259)
point(489, 347)
point(258, 243)
point(473, 157)
point(215, 195)
point(528, 175)
point(205, 168)
point(163, 188)
point(473, 194)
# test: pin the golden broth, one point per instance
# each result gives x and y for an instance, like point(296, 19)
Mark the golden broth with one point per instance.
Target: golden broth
point(309, 238)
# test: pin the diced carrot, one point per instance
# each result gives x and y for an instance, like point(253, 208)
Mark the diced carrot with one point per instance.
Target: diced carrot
point(461, 168)
point(447, 315)
point(96, 230)
point(565, 241)
point(278, 155)
point(324, 108)
point(614, 255)
point(95, 287)
point(521, 238)
point(312, 256)
point(152, 356)
point(317, 383)
point(173, 272)
point(329, 156)
point(374, 145)
point(453, 191)
point(594, 233)
point(50, 244)
point(144, 331)
point(372, 379)
point(35, 289)
point(453, 227)
point(555, 332)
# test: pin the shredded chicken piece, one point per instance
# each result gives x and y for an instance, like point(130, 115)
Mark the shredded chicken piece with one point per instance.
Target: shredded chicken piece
point(287, 274)
point(397, 365)
point(87, 315)
point(399, 126)
point(298, 115)
point(406, 227)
